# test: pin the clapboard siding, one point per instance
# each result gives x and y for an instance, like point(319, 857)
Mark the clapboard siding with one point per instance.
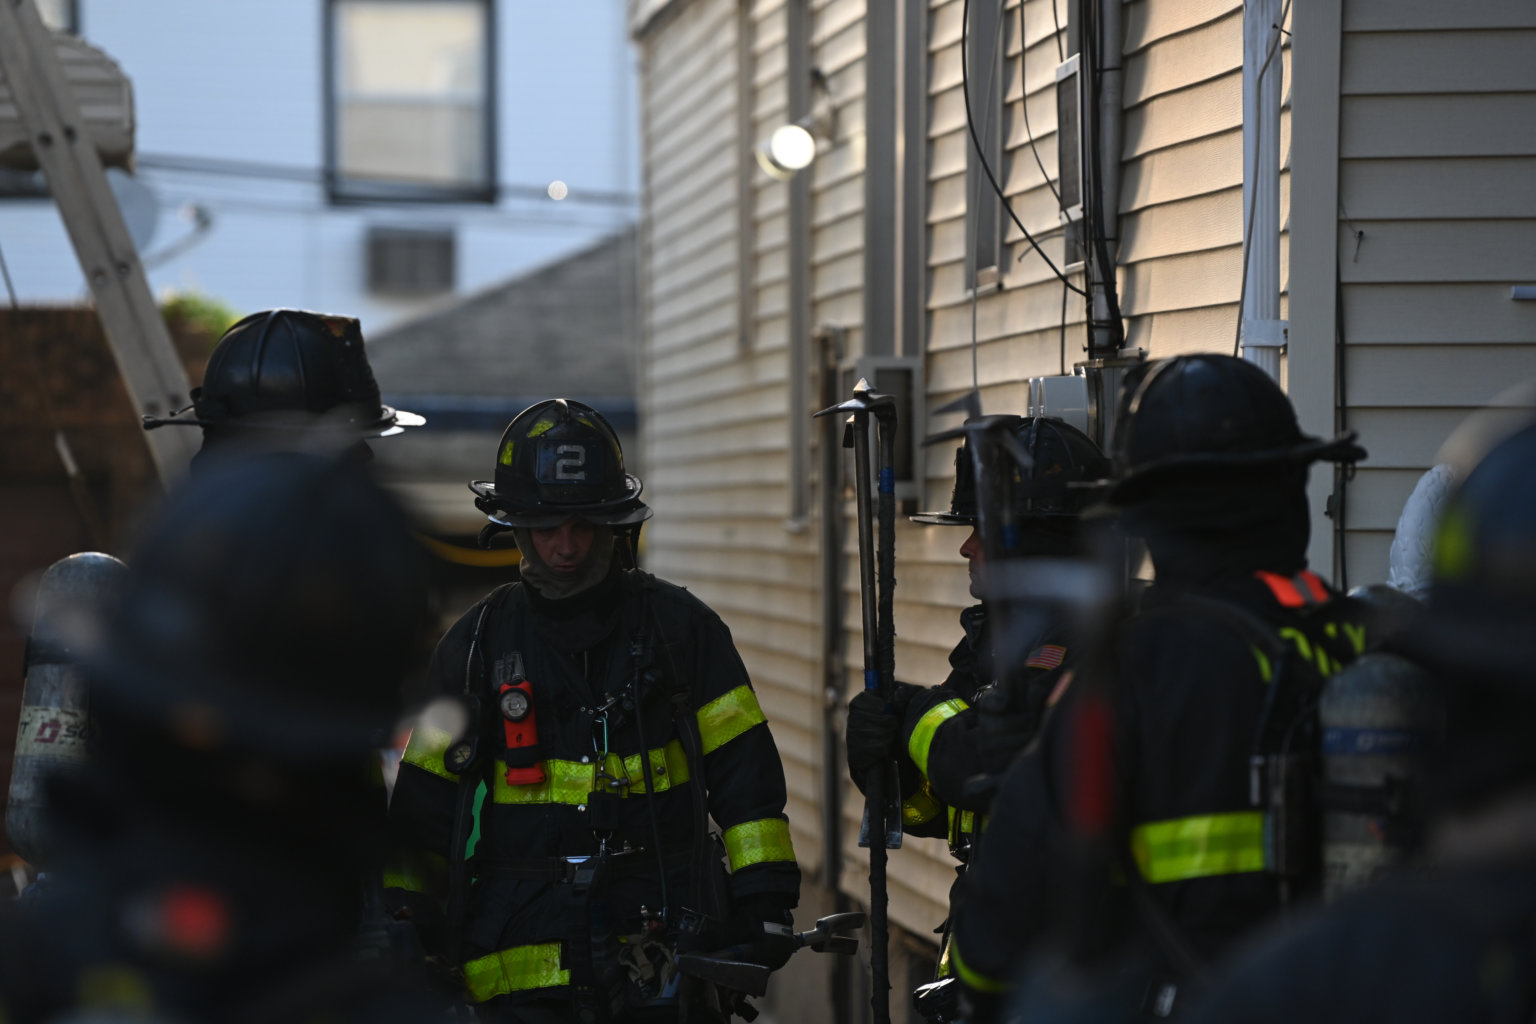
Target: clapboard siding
point(1181, 211)
point(716, 416)
point(1437, 147)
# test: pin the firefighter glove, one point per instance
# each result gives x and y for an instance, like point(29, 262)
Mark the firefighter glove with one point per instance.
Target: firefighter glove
point(874, 731)
point(761, 930)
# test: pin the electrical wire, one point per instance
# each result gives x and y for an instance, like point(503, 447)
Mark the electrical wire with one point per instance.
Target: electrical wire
point(1253, 194)
point(222, 167)
point(1029, 133)
point(981, 157)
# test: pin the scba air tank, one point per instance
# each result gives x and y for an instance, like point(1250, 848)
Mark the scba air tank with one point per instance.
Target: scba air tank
point(1380, 717)
point(51, 733)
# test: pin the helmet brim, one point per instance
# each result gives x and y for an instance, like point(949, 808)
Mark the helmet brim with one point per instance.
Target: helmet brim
point(626, 511)
point(1135, 485)
point(942, 519)
point(388, 423)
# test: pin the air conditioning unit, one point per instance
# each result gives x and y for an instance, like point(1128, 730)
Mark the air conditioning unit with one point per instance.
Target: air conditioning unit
point(411, 261)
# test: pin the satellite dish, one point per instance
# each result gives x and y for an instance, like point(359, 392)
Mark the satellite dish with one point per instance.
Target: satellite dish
point(140, 206)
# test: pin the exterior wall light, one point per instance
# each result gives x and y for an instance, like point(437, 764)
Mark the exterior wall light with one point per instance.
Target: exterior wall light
point(792, 147)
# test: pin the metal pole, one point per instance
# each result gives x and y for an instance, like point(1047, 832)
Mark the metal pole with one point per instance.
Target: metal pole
point(874, 788)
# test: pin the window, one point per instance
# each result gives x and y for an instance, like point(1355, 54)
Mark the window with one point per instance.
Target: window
point(411, 100)
point(410, 261)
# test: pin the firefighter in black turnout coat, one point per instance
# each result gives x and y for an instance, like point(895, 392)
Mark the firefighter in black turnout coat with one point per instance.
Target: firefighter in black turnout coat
point(1453, 937)
point(610, 718)
point(942, 739)
point(242, 684)
point(1211, 472)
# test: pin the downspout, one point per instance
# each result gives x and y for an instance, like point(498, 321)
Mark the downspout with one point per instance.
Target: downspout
point(1262, 333)
point(1111, 132)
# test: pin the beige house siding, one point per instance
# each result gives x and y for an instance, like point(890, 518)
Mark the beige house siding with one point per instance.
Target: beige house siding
point(714, 395)
point(717, 397)
point(1437, 220)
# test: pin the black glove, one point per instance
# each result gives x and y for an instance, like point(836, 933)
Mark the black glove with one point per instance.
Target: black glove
point(874, 734)
point(755, 943)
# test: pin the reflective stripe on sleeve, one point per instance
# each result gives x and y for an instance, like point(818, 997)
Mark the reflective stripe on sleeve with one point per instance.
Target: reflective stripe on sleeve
point(728, 716)
point(426, 750)
point(922, 735)
point(517, 969)
point(972, 977)
point(415, 872)
point(921, 807)
point(1201, 846)
point(758, 842)
point(571, 782)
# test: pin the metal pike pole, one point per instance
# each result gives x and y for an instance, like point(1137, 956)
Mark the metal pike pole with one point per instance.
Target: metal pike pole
point(878, 602)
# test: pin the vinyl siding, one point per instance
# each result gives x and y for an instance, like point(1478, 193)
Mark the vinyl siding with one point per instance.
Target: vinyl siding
point(714, 389)
point(1437, 221)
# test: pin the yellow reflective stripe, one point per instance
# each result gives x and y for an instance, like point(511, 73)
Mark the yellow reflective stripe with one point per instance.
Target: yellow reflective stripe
point(758, 842)
point(922, 736)
point(965, 823)
point(972, 977)
point(921, 807)
point(571, 782)
point(415, 872)
point(1200, 846)
point(426, 750)
point(517, 969)
point(728, 716)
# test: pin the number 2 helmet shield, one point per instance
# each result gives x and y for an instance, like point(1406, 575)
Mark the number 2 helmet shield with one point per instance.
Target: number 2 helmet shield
point(559, 459)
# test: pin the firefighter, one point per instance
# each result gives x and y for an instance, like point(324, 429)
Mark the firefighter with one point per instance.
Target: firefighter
point(288, 378)
point(610, 718)
point(943, 741)
point(1211, 473)
point(210, 847)
point(1453, 938)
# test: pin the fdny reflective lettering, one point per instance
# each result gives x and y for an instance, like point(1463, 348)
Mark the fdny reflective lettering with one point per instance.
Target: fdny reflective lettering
point(517, 969)
point(1201, 846)
point(922, 735)
point(728, 716)
point(571, 782)
point(426, 750)
point(972, 977)
point(758, 842)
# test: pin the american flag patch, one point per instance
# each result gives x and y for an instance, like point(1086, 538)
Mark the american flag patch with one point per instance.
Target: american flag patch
point(1046, 656)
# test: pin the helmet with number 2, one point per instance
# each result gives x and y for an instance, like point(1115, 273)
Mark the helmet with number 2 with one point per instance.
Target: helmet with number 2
point(559, 459)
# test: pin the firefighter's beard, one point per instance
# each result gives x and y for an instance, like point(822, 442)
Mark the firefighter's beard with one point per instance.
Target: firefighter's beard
point(556, 586)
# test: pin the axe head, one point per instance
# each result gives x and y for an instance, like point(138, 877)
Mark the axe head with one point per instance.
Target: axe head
point(865, 400)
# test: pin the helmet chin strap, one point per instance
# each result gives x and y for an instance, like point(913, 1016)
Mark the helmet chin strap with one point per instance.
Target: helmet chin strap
point(488, 531)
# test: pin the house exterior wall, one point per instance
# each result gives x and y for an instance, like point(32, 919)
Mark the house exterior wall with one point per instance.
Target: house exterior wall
point(1436, 223)
point(718, 387)
point(243, 80)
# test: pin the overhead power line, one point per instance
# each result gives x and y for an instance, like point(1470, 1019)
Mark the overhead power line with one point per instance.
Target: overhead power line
point(256, 169)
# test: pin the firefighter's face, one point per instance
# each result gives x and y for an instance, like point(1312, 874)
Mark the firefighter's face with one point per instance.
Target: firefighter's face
point(971, 549)
point(565, 547)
